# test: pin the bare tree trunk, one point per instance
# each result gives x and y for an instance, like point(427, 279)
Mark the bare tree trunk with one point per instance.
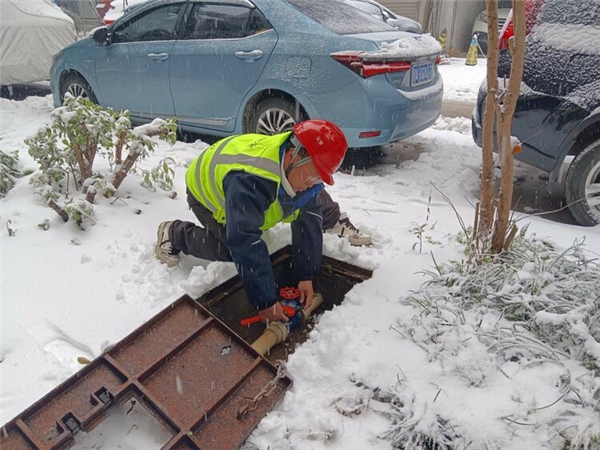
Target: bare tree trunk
point(84, 169)
point(90, 196)
point(119, 148)
point(486, 179)
point(517, 51)
point(61, 212)
point(494, 208)
point(132, 157)
point(126, 166)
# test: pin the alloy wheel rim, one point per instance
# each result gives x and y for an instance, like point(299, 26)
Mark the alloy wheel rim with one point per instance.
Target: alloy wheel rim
point(77, 90)
point(274, 121)
point(592, 188)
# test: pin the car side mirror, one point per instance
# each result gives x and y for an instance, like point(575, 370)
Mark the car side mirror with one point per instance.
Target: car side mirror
point(101, 36)
point(386, 16)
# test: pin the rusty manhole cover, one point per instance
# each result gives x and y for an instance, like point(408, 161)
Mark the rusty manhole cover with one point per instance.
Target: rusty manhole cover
point(190, 366)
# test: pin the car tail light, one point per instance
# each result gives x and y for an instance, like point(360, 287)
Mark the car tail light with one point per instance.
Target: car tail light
point(108, 21)
point(506, 32)
point(532, 9)
point(369, 134)
point(367, 68)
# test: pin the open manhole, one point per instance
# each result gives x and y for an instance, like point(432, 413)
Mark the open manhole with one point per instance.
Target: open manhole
point(229, 303)
point(191, 367)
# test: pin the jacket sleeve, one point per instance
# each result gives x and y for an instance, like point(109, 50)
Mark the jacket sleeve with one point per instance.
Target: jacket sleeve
point(247, 199)
point(307, 240)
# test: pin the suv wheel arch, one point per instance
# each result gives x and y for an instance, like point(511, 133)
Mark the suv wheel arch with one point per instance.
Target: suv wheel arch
point(582, 186)
point(582, 136)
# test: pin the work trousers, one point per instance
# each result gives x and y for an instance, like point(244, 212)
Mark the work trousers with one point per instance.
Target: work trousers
point(210, 242)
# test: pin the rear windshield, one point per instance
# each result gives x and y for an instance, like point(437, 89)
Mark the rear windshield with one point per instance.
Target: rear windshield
point(340, 17)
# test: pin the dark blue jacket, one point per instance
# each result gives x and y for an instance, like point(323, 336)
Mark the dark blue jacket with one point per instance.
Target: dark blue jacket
point(247, 198)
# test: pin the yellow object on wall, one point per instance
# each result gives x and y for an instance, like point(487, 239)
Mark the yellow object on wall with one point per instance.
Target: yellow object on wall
point(442, 39)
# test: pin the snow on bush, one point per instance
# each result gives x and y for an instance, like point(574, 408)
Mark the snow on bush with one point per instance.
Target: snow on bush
point(66, 151)
point(534, 306)
point(9, 171)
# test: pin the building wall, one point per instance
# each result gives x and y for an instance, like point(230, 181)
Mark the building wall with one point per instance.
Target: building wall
point(466, 12)
point(456, 16)
point(407, 8)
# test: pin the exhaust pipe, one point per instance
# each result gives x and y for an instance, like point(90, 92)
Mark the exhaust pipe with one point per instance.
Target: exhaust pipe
point(277, 332)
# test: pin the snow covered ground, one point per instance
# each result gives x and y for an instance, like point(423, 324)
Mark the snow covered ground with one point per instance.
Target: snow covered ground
point(68, 293)
point(461, 82)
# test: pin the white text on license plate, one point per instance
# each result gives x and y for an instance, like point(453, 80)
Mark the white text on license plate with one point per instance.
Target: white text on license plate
point(421, 73)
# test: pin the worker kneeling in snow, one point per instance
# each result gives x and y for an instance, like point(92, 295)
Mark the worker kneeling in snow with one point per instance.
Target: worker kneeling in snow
point(246, 184)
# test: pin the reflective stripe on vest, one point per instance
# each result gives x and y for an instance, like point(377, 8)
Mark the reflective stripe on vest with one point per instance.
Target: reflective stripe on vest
point(258, 162)
point(205, 200)
point(255, 154)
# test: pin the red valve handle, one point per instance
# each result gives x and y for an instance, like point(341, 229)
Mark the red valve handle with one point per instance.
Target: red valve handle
point(289, 293)
point(287, 310)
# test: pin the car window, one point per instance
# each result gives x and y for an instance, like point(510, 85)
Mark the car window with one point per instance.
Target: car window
point(211, 21)
point(257, 23)
point(369, 8)
point(157, 24)
point(343, 19)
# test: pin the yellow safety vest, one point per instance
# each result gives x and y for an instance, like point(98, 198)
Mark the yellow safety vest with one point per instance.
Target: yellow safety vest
point(252, 153)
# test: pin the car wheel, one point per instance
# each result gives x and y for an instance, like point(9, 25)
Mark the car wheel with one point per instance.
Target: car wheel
point(583, 186)
point(77, 87)
point(362, 158)
point(274, 115)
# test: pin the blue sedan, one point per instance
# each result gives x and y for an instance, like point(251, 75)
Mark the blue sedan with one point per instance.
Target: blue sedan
point(234, 66)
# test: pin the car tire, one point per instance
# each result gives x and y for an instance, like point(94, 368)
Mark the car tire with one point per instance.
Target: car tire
point(78, 87)
point(274, 115)
point(583, 175)
point(362, 158)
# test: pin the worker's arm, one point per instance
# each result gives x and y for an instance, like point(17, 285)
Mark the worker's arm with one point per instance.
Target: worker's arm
point(307, 242)
point(247, 199)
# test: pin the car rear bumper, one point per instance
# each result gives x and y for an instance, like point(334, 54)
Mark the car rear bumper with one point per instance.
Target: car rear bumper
point(377, 106)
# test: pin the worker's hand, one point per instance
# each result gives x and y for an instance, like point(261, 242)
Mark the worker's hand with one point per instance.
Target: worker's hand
point(273, 313)
point(306, 293)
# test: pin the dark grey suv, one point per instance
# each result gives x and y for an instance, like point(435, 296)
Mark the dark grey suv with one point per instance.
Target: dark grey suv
point(558, 111)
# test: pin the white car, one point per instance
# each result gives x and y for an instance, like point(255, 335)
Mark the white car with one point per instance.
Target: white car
point(480, 27)
point(32, 32)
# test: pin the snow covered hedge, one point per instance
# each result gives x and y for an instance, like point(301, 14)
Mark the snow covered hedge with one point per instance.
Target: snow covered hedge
point(9, 171)
point(532, 307)
point(66, 151)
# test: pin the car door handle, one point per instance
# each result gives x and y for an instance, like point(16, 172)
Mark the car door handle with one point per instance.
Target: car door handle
point(158, 56)
point(249, 56)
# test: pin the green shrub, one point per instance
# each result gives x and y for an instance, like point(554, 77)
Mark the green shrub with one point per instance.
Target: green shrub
point(66, 151)
point(9, 171)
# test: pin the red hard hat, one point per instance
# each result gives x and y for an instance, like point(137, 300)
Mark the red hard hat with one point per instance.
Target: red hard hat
point(325, 143)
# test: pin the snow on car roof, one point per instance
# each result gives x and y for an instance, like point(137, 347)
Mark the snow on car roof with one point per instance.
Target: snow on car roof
point(575, 38)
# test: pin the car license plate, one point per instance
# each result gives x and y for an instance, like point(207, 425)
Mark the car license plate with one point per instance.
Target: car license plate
point(421, 73)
